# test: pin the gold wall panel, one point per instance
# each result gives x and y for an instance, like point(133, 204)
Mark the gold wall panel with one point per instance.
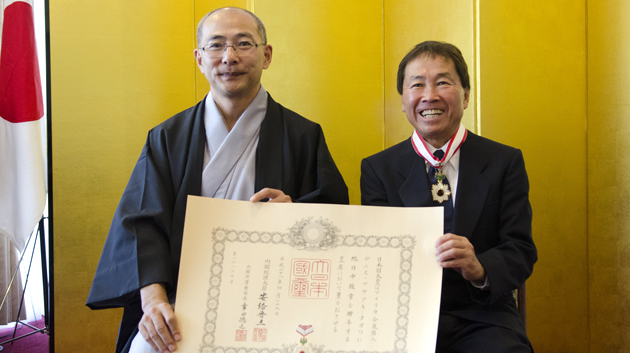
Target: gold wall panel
point(608, 170)
point(408, 23)
point(118, 68)
point(327, 66)
point(533, 89)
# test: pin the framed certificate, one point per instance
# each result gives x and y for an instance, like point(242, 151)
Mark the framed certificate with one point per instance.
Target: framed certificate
point(308, 278)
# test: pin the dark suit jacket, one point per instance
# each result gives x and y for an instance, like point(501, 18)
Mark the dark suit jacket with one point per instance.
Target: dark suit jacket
point(492, 210)
point(144, 242)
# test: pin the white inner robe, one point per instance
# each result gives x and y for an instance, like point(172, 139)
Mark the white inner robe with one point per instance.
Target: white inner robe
point(229, 162)
point(230, 157)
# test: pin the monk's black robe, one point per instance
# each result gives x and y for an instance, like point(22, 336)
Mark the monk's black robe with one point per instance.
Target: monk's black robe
point(144, 242)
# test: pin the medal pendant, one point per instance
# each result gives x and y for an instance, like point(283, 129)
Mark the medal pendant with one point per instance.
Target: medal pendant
point(439, 175)
point(440, 191)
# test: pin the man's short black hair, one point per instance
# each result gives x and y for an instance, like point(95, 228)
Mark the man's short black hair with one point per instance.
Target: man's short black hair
point(432, 49)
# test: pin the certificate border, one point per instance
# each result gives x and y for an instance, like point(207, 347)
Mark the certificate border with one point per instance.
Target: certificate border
point(221, 235)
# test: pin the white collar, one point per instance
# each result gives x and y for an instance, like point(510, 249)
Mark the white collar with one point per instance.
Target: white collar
point(425, 150)
point(454, 161)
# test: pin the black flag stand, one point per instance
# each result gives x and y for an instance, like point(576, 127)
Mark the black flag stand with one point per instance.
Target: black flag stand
point(45, 287)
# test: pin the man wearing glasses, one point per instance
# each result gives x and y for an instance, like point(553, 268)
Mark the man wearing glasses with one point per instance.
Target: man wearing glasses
point(237, 143)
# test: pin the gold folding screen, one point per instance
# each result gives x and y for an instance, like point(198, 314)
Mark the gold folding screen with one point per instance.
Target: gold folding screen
point(540, 72)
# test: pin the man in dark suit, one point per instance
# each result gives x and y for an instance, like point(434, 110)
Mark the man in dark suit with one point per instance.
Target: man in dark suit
point(487, 250)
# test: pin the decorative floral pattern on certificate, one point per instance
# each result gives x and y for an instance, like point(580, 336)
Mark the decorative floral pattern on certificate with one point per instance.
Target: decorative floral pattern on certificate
point(320, 264)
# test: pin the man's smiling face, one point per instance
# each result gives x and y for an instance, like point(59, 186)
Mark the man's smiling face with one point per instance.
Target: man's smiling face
point(231, 73)
point(433, 98)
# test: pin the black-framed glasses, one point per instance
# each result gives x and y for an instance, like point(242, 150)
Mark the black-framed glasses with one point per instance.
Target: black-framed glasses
point(217, 48)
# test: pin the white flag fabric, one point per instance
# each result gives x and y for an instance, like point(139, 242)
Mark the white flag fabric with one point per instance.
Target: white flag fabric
point(22, 127)
point(22, 147)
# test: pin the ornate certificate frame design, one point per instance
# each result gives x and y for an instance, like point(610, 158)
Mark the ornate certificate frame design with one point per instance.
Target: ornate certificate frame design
point(250, 273)
point(312, 234)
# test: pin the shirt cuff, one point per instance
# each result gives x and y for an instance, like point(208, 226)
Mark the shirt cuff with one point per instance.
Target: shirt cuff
point(483, 285)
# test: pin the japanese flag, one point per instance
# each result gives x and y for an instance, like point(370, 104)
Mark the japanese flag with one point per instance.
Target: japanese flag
point(22, 127)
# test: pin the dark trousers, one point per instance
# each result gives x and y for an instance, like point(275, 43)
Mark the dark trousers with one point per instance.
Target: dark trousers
point(457, 335)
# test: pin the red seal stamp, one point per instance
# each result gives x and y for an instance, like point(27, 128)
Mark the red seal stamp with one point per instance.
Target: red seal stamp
point(241, 335)
point(260, 334)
